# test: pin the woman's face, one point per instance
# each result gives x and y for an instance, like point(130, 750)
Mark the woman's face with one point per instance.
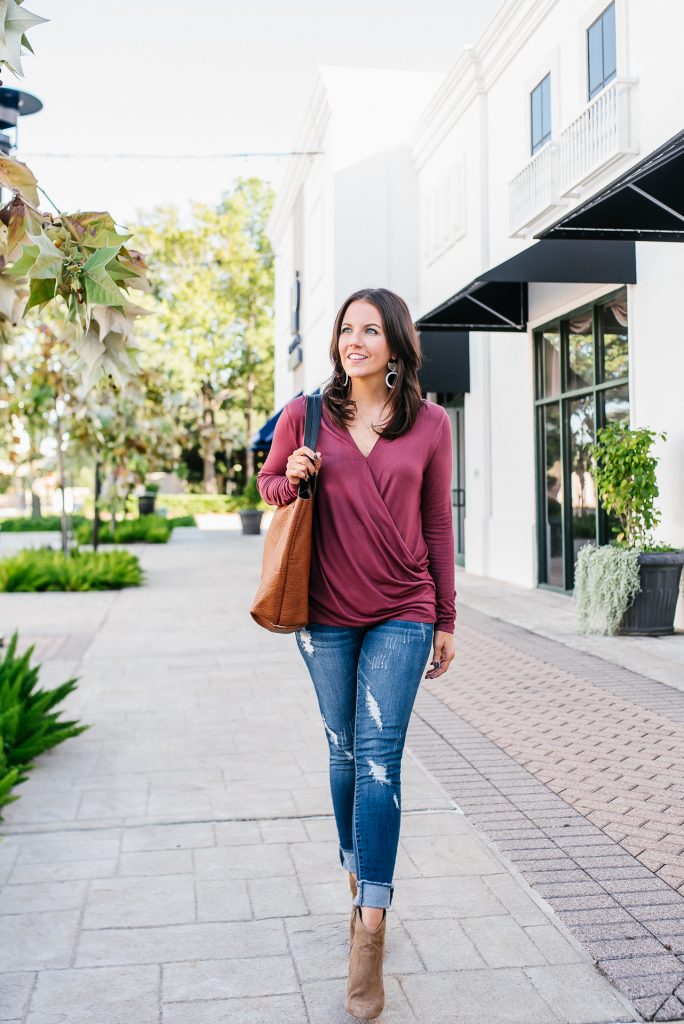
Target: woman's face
point(362, 333)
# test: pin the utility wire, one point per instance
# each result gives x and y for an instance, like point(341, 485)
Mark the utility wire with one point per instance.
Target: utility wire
point(169, 156)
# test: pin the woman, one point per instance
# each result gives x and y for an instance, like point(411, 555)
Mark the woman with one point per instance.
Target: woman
point(381, 588)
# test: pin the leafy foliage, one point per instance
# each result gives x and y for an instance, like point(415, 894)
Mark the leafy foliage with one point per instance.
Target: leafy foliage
point(201, 504)
point(81, 259)
point(29, 524)
point(212, 323)
point(42, 569)
point(149, 529)
point(607, 581)
point(626, 481)
point(29, 724)
point(250, 497)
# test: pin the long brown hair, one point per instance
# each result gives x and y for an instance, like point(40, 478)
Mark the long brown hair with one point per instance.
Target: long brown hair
point(405, 398)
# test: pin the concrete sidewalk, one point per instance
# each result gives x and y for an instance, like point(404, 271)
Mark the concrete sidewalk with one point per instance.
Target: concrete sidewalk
point(554, 615)
point(177, 862)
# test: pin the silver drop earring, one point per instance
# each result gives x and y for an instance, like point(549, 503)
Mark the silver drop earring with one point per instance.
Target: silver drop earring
point(392, 370)
point(346, 378)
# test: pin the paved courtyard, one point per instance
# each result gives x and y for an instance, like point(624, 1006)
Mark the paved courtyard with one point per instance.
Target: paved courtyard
point(177, 862)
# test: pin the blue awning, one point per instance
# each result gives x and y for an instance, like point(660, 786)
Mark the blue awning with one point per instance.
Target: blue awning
point(262, 440)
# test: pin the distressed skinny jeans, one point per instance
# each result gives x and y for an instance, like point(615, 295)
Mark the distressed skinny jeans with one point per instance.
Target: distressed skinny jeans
point(366, 680)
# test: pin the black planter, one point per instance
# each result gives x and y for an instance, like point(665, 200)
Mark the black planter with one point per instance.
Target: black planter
point(251, 519)
point(653, 611)
point(146, 504)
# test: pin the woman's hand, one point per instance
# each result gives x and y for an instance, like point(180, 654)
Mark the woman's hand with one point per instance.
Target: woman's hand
point(302, 464)
point(444, 650)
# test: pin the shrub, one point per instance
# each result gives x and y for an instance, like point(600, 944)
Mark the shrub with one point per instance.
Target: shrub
point(607, 581)
point(41, 570)
point(625, 476)
point(250, 497)
point(25, 524)
point(197, 504)
point(182, 521)
point(148, 529)
point(28, 723)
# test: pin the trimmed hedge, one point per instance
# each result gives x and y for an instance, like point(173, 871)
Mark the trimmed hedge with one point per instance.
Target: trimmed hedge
point(201, 504)
point(26, 524)
point(147, 529)
point(40, 569)
point(151, 529)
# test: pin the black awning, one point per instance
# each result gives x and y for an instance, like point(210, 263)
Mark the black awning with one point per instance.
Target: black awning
point(446, 361)
point(645, 204)
point(497, 300)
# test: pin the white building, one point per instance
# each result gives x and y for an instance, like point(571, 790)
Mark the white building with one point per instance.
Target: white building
point(553, 102)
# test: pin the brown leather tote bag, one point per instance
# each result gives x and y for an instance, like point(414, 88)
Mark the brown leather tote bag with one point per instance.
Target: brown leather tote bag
point(281, 603)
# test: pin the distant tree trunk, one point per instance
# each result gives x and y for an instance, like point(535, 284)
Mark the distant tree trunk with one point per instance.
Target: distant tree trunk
point(229, 469)
point(96, 516)
point(208, 440)
point(249, 454)
point(60, 469)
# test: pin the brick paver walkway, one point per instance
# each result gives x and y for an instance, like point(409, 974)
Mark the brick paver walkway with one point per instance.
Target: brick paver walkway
point(573, 767)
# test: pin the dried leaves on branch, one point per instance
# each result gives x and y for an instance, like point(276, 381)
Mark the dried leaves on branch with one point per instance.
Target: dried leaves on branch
point(80, 259)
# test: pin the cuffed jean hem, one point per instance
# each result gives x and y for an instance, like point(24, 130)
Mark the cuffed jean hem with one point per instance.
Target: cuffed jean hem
point(347, 860)
point(373, 894)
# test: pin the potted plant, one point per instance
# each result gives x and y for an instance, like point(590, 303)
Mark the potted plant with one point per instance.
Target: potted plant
point(630, 586)
point(147, 499)
point(247, 505)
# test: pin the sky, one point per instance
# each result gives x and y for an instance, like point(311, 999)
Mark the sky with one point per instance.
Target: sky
point(135, 81)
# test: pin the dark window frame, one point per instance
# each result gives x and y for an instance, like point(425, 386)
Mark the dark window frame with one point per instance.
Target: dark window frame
point(544, 137)
point(598, 24)
point(564, 399)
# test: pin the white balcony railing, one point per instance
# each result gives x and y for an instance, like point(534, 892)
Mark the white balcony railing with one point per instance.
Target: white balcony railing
point(601, 134)
point(535, 189)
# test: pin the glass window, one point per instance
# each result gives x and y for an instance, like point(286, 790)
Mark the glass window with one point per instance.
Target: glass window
point(582, 494)
point(551, 345)
point(581, 351)
point(601, 51)
point(617, 404)
point(613, 325)
point(540, 105)
point(571, 402)
point(553, 510)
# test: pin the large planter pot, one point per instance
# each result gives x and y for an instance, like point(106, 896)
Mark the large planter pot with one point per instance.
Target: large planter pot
point(251, 519)
point(653, 611)
point(146, 504)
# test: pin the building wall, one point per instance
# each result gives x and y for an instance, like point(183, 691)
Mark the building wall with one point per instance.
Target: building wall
point(346, 218)
point(483, 108)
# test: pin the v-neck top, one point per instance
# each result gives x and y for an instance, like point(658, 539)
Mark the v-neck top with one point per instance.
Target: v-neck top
point(383, 537)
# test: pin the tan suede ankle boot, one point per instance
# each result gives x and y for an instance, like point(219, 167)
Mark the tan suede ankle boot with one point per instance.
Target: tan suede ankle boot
point(352, 886)
point(365, 988)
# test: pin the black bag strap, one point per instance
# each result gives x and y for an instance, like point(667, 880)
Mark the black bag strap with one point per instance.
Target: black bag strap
point(307, 488)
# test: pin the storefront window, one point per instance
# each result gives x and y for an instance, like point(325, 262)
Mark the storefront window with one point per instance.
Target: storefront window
point(617, 404)
point(581, 421)
point(551, 361)
point(553, 509)
point(582, 384)
point(580, 352)
point(613, 326)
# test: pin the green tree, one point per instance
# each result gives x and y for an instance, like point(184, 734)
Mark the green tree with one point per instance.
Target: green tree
point(212, 325)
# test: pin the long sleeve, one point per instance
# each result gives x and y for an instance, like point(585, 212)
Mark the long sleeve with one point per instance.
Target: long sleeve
point(272, 484)
point(438, 528)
